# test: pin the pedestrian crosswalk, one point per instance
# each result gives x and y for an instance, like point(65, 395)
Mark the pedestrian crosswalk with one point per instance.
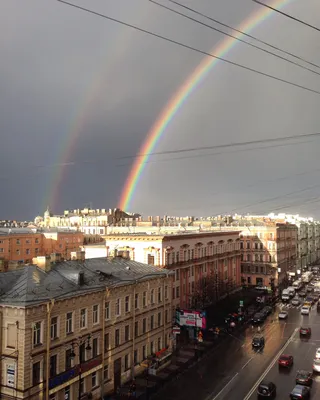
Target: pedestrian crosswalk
point(289, 306)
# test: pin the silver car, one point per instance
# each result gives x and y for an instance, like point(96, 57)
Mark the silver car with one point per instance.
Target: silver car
point(283, 315)
point(295, 302)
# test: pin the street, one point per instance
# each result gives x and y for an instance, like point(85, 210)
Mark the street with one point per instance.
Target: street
point(233, 370)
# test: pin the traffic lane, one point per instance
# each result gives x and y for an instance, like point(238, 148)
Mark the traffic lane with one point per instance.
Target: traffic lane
point(275, 338)
point(214, 371)
point(251, 372)
point(303, 351)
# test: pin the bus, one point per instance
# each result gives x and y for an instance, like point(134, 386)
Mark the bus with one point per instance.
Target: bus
point(306, 277)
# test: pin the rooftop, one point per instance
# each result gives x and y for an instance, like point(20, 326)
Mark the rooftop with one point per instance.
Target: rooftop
point(31, 285)
point(30, 231)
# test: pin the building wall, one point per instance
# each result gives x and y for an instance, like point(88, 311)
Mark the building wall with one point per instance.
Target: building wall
point(191, 256)
point(102, 363)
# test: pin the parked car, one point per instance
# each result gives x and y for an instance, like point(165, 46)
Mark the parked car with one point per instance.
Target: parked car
point(267, 310)
point(304, 378)
point(295, 302)
point(300, 392)
point(316, 365)
point(267, 390)
point(258, 318)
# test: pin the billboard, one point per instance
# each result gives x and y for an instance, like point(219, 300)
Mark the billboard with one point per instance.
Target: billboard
point(191, 318)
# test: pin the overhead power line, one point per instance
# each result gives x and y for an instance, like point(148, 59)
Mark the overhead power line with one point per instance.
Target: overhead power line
point(256, 71)
point(245, 34)
point(287, 15)
point(235, 38)
point(221, 146)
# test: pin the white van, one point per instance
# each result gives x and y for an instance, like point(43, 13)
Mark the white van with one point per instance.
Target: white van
point(285, 296)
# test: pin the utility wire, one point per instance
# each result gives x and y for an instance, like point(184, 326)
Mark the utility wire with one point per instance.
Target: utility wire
point(234, 37)
point(245, 34)
point(256, 71)
point(221, 146)
point(287, 15)
point(216, 154)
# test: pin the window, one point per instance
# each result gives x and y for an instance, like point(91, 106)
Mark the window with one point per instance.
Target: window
point(82, 388)
point(152, 322)
point(67, 393)
point(173, 293)
point(159, 295)
point(177, 274)
point(135, 357)
point(36, 367)
point(159, 319)
point(159, 344)
point(27, 251)
point(94, 380)
point(69, 323)
point(68, 360)
point(166, 316)
point(18, 252)
point(107, 307)
point(126, 362)
point(177, 292)
point(152, 347)
point(83, 318)
point(18, 241)
point(127, 333)
point(95, 349)
point(166, 292)
point(144, 352)
point(136, 329)
point(152, 296)
point(53, 366)
point(36, 241)
point(248, 245)
point(144, 299)
point(118, 307)
point(117, 338)
point(106, 342)
point(150, 259)
point(82, 352)
point(36, 250)
point(127, 304)
point(95, 314)
point(144, 325)
point(37, 334)
point(1, 250)
point(54, 328)
point(106, 373)
point(136, 301)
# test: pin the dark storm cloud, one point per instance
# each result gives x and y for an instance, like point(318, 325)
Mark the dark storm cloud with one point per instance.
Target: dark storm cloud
point(67, 63)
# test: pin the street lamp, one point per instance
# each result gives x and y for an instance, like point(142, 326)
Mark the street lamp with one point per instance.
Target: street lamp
point(80, 342)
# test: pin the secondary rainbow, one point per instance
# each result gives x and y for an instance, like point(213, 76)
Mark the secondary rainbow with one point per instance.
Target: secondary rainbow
point(180, 97)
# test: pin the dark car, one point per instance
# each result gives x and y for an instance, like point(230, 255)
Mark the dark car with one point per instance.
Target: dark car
point(310, 299)
point(309, 288)
point(304, 378)
point(267, 310)
point(318, 306)
point(267, 390)
point(300, 393)
point(315, 297)
point(305, 332)
point(302, 293)
point(258, 342)
point(258, 318)
point(285, 361)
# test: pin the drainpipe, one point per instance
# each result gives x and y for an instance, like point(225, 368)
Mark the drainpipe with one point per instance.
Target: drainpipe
point(49, 309)
point(133, 327)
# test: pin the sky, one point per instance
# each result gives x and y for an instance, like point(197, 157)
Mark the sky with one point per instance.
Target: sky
point(78, 93)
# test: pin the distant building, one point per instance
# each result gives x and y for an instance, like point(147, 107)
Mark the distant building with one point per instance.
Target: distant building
point(85, 325)
point(22, 244)
point(191, 256)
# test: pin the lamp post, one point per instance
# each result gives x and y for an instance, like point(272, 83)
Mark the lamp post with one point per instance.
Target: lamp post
point(78, 343)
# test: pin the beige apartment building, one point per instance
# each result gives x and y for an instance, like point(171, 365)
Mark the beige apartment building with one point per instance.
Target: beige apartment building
point(81, 325)
point(191, 256)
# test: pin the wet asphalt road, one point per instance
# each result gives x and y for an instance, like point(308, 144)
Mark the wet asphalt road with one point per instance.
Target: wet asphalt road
point(231, 370)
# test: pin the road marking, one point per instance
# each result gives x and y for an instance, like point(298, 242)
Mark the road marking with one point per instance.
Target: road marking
point(284, 327)
point(255, 386)
point(224, 387)
point(247, 362)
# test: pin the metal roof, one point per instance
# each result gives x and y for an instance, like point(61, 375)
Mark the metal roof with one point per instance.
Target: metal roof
point(31, 285)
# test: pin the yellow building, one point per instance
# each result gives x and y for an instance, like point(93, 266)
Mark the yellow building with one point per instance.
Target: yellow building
point(80, 325)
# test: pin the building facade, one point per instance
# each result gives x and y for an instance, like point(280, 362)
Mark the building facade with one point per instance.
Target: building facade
point(22, 245)
point(82, 325)
point(192, 256)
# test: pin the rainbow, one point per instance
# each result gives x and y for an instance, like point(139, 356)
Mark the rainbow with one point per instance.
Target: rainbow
point(180, 97)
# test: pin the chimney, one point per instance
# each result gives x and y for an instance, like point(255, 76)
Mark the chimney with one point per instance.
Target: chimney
point(43, 262)
point(55, 257)
point(81, 278)
point(78, 255)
